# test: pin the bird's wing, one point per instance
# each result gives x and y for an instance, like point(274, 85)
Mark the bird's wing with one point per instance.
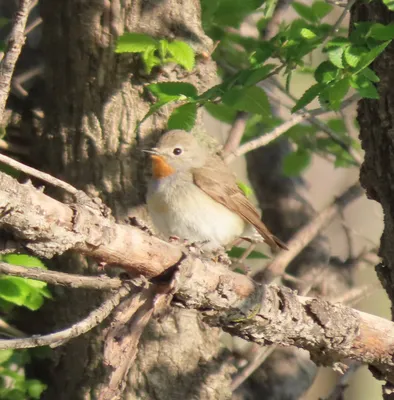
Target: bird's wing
point(218, 182)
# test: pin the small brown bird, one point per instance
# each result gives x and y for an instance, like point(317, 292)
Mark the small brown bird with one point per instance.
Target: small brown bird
point(193, 195)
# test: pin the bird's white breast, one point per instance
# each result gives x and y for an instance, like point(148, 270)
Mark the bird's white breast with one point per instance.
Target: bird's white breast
point(184, 210)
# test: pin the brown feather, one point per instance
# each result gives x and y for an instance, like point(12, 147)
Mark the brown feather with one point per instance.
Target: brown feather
point(218, 182)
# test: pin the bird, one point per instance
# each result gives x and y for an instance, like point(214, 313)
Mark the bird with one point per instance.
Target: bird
point(193, 195)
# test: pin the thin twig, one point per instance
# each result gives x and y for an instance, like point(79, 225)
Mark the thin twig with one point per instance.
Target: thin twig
point(236, 133)
point(269, 137)
point(61, 278)
point(38, 174)
point(53, 339)
point(261, 356)
point(305, 235)
point(15, 43)
point(337, 393)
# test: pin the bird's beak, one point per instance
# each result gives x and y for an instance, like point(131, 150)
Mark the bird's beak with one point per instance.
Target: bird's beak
point(152, 151)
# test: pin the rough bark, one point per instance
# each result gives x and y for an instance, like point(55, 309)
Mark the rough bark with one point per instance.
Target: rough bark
point(92, 102)
point(375, 118)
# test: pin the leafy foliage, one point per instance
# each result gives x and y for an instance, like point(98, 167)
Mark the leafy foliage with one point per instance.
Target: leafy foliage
point(156, 52)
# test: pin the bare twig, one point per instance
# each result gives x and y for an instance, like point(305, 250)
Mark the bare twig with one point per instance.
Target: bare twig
point(38, 174)
point(236, 133)
point(337, 393)
point(123, 338)
point(14, 46)
point(305, 235)
point(269, 137)
point(61, 278)
point(88, 323)
point(261, 356)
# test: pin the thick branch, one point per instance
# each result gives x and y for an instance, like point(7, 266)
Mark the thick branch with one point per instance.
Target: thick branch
point(272, 314)
point(48, 227)
point(234, 302)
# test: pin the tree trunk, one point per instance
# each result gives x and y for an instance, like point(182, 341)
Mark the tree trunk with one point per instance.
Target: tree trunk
point(93, 100)
point(376, 133)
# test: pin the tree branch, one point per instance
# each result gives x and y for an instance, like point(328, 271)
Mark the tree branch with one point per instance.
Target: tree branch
point(62, 279)
point(16, 41)
point(234, 302)
point(55, 339)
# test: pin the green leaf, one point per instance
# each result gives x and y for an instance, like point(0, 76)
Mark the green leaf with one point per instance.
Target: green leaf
point(259, 74)
point(321, 9)
point(370, 74)
point(307, 33)
point(163, 48)
point(262, 54)
point(135, 43)
point(337, 125)
point(5, 355)
point(326, 72)
point(382, 32)
point(12, 292)
point(173, 90)
point(236, 252)
point(299, 132)
point(364, 87)
point(368, 58)
point(35, 388)
point(353, 54)
point(337, 92)
point(221, 112)
point(304, 11)
point(24, 260)
point(182, 54)
point(296, 162)
point(247, 190)
point(150, 59)
point(308, 96)
point(183, 117)
point(389, 4)
point(335, 55)
point(250, 99)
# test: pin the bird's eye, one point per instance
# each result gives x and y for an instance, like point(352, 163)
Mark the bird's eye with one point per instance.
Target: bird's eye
point(177, 151)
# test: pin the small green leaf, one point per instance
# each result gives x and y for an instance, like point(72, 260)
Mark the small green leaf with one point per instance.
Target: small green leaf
point(135, 43)
point(296, 162)
point(250, 99)
point(262, 54)
point(182, 54)
point(382, 32)
point(35, 388)
point(389, 4)
point(236, 252)
point(173, 90)
point(259, 74)
point(183, 117)
point(307, 33)
point(326, 72)
point(321, 9)
point(337, 92)
point(12, 292)
point(150, 59)
point(304, 11)
point(368, 58)
point(24, 260)
point(163, 48)
point(364, 87)
point(337, 125)
point(247, 190)
point(5, 355)
point(353, 54)
point(335, 55)
point(221, 112)
point(370, 74)
point(308, 96)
